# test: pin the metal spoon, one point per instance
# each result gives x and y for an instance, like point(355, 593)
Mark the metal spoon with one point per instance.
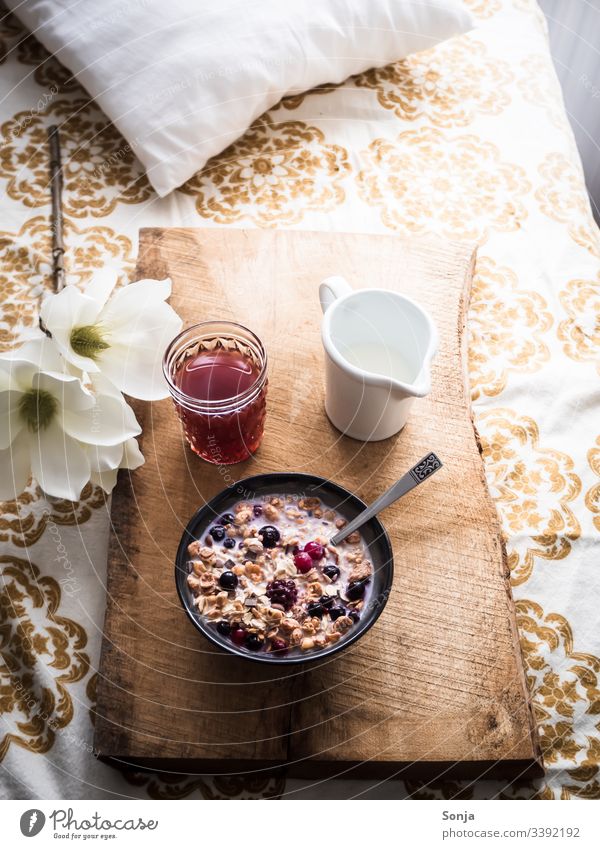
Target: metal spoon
point(426, 467)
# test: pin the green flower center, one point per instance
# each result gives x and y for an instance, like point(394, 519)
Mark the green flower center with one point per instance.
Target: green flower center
point(88, 341)
point(37, 407)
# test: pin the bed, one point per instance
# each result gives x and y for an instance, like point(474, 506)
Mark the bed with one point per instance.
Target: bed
point(469, 140)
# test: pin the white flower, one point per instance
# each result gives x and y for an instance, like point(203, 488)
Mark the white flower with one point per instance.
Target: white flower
point(49, 422)
point(123, 336)
point(106, 460)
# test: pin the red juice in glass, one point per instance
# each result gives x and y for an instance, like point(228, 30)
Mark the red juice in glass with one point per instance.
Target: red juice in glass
point(217, 377)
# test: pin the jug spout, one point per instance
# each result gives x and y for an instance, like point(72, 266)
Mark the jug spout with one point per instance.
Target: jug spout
point(419, 389)
point(421, 386)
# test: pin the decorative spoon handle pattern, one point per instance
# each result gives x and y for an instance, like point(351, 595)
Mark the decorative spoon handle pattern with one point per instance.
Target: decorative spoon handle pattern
point(420, 472)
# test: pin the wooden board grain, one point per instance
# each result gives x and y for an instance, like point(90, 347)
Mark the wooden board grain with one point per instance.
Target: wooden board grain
point(438, 683)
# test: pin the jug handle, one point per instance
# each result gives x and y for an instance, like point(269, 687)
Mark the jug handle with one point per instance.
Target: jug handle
point(331, 289)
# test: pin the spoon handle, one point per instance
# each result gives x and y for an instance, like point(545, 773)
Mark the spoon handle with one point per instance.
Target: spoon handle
point(426, 467)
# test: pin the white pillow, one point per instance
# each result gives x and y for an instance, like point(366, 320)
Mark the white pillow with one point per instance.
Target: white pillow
point(182, 79)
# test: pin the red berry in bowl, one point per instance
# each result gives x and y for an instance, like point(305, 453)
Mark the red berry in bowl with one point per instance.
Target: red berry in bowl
point(283, 593)
point(315, 549)
point(303, 562)
point(279, 646)
point(238, 636)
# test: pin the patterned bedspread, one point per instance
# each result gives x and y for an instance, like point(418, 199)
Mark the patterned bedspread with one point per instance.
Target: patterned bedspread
point(468, 140)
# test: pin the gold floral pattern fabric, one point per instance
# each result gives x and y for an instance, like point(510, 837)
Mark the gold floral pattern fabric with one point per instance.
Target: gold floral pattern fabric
point(506, 328)
point(592, 498)
point(461, 188)
point(293, 101)
point(100, 170)
point(48, 73)
point(534, 487)
point(540, 88)
point(580, 332)
point(449, 85)
point(34, 639)
point(24, 520)
point(165, 786)
point(271, 175)
point(562, 196)
point(428, 145)
point(483, 9)
point(566, 696)
point(25, 270)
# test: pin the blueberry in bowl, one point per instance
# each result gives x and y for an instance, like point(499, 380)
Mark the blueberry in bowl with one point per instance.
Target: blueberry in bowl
point(257, 575)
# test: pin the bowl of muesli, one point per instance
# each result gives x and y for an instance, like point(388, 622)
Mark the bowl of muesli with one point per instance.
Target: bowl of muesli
point(257, 575)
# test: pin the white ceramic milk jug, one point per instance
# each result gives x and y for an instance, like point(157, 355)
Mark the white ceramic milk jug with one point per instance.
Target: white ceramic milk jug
point(378, 351)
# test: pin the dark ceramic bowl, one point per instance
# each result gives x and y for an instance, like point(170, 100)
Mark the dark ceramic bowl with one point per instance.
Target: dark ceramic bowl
point(332, 495)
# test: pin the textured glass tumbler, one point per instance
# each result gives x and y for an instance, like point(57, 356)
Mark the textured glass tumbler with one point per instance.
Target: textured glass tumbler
point(227, 430)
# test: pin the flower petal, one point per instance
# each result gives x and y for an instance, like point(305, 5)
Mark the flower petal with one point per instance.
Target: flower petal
point(109, 422)
point(59, 463)
point(103, 458)
point(61, 313)
point(68, 390)
point(15, 468)
point(10, 419)
point(138, 325)
point(132, 456)
point(101, 385)
point(69, 308)
point(106, 477)
point(124, 307)
point(138, 311)
point(19, 366)
point(107, 480)
point(100, 287)
point(138, 371)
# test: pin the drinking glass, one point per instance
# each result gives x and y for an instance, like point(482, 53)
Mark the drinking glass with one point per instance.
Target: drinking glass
point(220, 430)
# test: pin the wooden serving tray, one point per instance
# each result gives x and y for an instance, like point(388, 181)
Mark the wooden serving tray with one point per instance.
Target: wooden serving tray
point(437, 685)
